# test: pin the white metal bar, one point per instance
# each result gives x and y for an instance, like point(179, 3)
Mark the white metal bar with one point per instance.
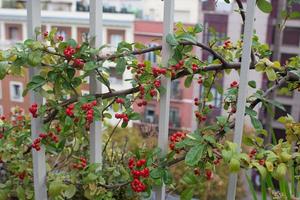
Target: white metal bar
point(246, 59)
point(164, 104)
point(96, 23)
point(39, 159)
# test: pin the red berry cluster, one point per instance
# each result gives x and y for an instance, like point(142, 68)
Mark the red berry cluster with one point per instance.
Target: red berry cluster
point(42, 136)
point(156, 71)
point(252, 153)
point(234, 84)
point(217, 161)
point(88, 108)
point(196, 101)
point(140, 68)
point(174, 138)
point(195, 67)
point(69, 52)
point(178, 66)
point(138, 171)
point(142, 103)
point(227, 44)
point(120, 100)
point(33, 110)
point(78, 63)
point(200, 80)
point(69, 110)
point(200, 117)
point(141, 96)
point(122, 116)
point(1, 135)
point(3, 117)
point(81, 165)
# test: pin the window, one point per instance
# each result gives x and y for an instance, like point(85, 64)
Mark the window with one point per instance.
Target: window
point(13, 32)
point(285, 57)
point(217, 97)
point(82, 34)
point(64, 31)
point(114, 37)
point(115, 78)
point(85, 92)
point(176, 93)
point(150, 114)
point(16, 89)
point(151, 56)
point(174, 119)
point(291, 36)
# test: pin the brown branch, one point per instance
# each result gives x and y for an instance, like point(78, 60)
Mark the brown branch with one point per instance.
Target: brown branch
point(159, 48)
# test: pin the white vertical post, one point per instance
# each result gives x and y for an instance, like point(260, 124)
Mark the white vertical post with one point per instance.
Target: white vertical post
point(242, 93)
point(164, 104)
point(96, 24)
point(39, 160)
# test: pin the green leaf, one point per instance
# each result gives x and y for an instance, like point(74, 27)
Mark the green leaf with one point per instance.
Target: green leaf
point(187, 37)
point(256, 123)
point(70, 191)
point(55, 188)
point(121, 65)
point(35, 58)
point(264, 6)
point(187, 194)
point(234, 165)
point(188, 81)
point(271, 74)
point(194, 155)
point(252, 84)
point(198, 28)
point(171, 40)
point(71, 72)
point(3, 69)
point(134, 116)
point(90, 66)
point(20, 192)
point(115, 107)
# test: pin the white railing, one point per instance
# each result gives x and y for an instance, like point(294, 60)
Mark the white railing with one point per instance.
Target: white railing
point(39, 162)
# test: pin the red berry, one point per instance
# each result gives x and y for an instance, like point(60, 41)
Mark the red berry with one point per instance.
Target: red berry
point(119, 100)
point(253, 151)
point(209, 174)
point(234, 84)
point(197, 171)
point(78, 63)
point(60, 38)
point(153, 92)
point(261, 162)
point(45, 34)
point(157, 83)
